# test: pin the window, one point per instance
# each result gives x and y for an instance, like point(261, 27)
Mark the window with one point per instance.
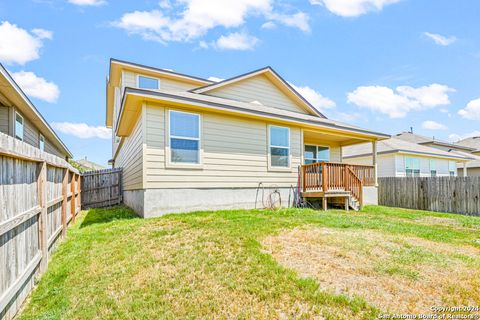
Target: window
point(313, 154)
point(41, 142)
point(184, 137)
point(412, 167)
point(148, 83)
point(279, 146)
point(433, 168)
point(18, 126)
point(452, 168)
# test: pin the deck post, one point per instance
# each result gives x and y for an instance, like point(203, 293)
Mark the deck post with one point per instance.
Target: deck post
point(374, 162)
point(346, 203)
point(324, 178)
point(324, 203)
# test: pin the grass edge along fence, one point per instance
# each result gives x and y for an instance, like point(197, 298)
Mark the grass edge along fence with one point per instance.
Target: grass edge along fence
point(441, 194)
point(40, 194)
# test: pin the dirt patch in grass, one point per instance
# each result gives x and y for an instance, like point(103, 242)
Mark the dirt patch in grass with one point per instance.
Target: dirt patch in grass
point(396, 274)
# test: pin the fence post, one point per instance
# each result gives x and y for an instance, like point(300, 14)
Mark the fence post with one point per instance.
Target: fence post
point(79, 187)
point(42, 221)
point(64, 202)
point(72, 200)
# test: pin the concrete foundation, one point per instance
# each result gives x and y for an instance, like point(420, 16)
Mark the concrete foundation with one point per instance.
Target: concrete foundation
point(370, 195)
point(158, 202)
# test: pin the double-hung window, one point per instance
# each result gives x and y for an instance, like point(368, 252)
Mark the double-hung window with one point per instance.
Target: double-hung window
point(433, 168)
point(279, 145)
point(184, 137)
point(18, 126)
point(452, 168)
point(41, 142)
point(412, 167)
point(313, 154)
point(148, 83)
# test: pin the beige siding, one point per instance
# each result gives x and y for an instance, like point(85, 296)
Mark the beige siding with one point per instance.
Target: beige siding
point(4, 119)
point(385, 164)
point(129, 79)
point(234, 154)
point(130, 157)
point(259, 89)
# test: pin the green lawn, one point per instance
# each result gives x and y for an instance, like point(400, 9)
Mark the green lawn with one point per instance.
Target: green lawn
point(295, 263)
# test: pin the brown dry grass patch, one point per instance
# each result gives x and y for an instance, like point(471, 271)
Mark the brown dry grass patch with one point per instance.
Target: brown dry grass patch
point(396, 274)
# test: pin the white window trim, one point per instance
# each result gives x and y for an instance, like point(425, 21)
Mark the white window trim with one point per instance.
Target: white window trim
point(454, 168)
point(40, 138)
point(269, 154)
point(141, 75)
point(316, 151)
point(168, 155)
point(15, 126)
point(413, 170)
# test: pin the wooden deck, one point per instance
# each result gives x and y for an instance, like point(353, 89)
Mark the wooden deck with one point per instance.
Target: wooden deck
point(336, 180)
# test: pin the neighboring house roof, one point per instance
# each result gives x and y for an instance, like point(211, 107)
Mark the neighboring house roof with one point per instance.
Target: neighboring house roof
point(419, 139)
point(395, 145)
point(274, 77)
point(472, 142)
point(14, 94)
point(136, 96)
point(89, 164)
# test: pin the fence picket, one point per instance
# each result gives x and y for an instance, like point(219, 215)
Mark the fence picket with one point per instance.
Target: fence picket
point(441, 194)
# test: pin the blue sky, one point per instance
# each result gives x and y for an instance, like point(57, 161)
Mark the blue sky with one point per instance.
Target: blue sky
point(386, 65)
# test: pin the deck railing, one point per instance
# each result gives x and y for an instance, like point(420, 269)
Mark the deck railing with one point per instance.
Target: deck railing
point(333, 176)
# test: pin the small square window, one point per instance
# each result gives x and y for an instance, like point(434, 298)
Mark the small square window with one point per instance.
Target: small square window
point(148, 83)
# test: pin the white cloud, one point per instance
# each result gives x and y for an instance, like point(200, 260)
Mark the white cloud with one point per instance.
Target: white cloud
point(83, 130)
point(236, 41)
point(36, 87)
point(353, 8)
point(215, 79)
point(396, 104)
point(298, 20)
point(87, 2)
point(439, 39)
point(433, 125)
point(18, 46)
point(456, 137)
point(471, 111)
point(191, 19)
point(43, 34)
point(269, 25)
point(315, 98)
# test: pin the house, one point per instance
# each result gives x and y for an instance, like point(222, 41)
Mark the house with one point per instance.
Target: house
point(469, 148)
point(20, 119)
point(473, 167)
point(402, 158)
point(187, 143)
point(87, 165)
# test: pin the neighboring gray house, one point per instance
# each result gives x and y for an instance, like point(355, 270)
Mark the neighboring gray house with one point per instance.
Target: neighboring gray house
point(89, 165)
point(20, 119)
point(400, 158)
point(469, 148)
point(473, 167)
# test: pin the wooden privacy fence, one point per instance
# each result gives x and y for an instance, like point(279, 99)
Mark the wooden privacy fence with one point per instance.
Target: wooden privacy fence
point(442, 194)
point(39, 195)
point(102, 188)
